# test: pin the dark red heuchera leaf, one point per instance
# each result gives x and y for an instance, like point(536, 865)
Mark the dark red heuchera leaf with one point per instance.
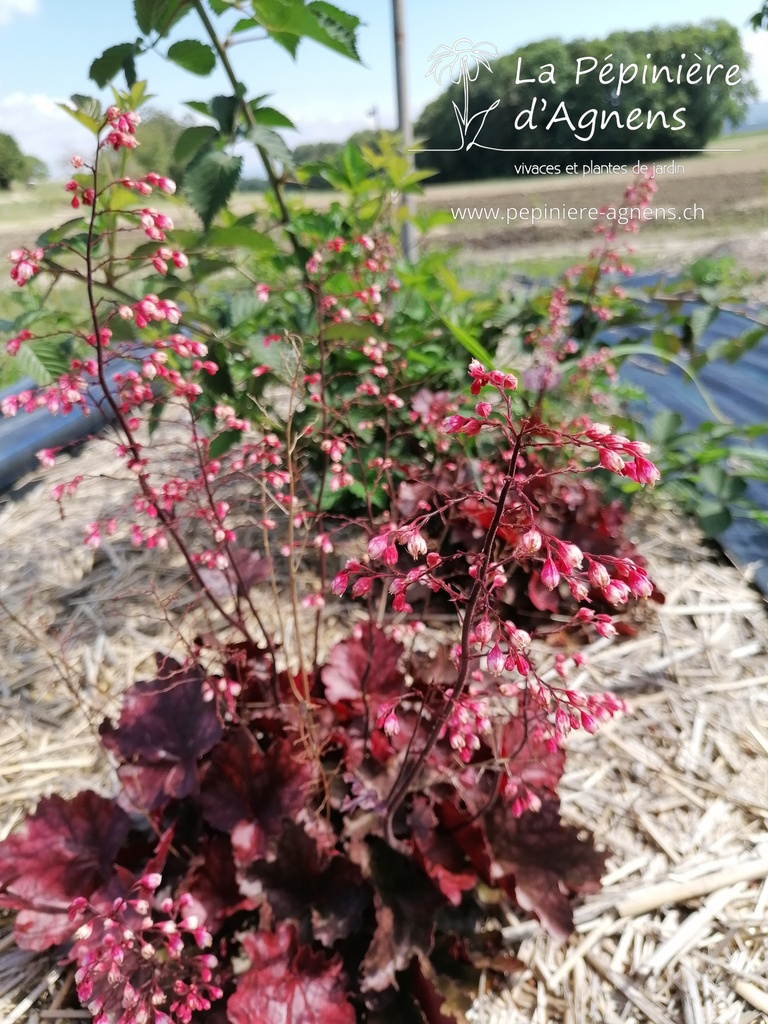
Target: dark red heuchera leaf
point(366, 666)
point(405, 913)
point(310, 881)
point(541, 597)
point(543, 860)
point(530, 763)
point(289, 984)
point(211, 881)
point(165, 726)
point(250, 793)
point(66, 849)
point(251, 568)
point(439, 854)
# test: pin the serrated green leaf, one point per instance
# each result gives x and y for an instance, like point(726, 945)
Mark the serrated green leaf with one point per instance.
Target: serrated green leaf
point(55, 235)
point(193, 56)
point(143, 12)
point(340, 26)
point(219, 6)
point(87, 111)
point(169, 13)
point(209, 182)
point(110, 63)
point(243, 25)
point(223, 109)
point(192, 140)
point(271, 143)
point(320, 21)
point(43, 360)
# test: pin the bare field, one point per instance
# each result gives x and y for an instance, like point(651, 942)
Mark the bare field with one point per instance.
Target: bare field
point(730, 188)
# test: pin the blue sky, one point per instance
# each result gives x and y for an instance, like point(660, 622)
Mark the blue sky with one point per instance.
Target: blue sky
point(46, 47)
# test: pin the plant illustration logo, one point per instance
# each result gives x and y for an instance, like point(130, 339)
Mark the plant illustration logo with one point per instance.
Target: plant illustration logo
point(462, 63)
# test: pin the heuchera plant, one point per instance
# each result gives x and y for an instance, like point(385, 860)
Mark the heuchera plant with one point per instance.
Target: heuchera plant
point(318, 832)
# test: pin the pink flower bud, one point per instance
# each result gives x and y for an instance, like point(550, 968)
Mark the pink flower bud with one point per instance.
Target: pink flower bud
point(340, 583)
point(616, 592)
point(495, 660)
point(550, 577)
point(530, 542)
point(378, 545)
point(639, 584)
point(611, 460)
point(362, 586)
point(598, 575)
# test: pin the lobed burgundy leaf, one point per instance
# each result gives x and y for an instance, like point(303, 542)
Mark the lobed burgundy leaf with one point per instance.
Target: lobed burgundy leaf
point(542, 860)
point(66, 849)
point(211, 882)
point(308, 881)
point(289, 984)
point(439, 854)
point(367, 666)
point(165, 726)
point(405, 913)
point(530, 762)
point(250, 793)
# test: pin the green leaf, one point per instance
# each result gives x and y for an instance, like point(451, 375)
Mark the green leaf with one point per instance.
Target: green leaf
point(339, 25)
point(240, 238)
point(713, 479)
point(320, 21)
point(55, 235)
point(223, 442)
point(43, 360)
point(169, 13)
point(223, 109)
point(713, 517)
point(209, 182)
point(271, 118)
point(192, 140)
point(144, 12)
point(219, 6)
point(271, 143)
point(199, 107)
point(472, 345)
point(110, 63)
point(192, 55)
point(243, 25)
point(87, 111)
point(665, 426)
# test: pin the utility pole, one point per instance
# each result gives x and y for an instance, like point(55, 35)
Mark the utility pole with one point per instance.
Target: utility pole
point(408, 234)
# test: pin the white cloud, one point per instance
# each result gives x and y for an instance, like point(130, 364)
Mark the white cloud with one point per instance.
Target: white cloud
point(10, 8)
point(756, 45)
point(42, 129)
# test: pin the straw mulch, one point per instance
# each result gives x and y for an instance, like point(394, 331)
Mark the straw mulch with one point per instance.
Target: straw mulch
point(678, 790)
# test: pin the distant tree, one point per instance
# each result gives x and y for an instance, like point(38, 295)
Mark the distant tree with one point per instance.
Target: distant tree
point(12, 161)
point(707, 106)
point(157, 134)
point(35, 169)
